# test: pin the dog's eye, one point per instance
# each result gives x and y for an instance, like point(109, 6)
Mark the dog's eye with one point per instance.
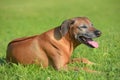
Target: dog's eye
point(83, 26)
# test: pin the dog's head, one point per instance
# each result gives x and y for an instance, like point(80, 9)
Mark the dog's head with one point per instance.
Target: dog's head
point(81, 30)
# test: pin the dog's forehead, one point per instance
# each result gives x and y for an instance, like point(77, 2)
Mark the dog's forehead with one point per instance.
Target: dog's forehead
point(82, 20)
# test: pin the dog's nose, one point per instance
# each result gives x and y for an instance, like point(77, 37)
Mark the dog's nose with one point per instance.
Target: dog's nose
point(97, 33)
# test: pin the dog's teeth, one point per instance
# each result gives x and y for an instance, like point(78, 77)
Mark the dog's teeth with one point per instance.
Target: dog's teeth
point(84, 39)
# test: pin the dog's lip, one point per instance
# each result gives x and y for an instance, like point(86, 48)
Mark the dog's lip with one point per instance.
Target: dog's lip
point(88, 41)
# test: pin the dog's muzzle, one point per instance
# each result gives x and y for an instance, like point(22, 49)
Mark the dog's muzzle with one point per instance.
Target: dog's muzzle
point(88, 39)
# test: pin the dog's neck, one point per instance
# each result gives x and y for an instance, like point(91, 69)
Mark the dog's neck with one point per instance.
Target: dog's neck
point(72, 41)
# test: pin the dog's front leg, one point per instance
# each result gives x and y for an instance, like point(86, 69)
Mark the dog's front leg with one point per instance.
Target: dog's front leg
point(82, 60)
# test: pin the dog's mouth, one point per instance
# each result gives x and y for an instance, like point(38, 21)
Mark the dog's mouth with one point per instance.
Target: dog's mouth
point(88, 41)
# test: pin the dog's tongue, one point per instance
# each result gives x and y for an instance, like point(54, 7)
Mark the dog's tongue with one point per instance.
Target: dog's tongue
point(93, 43)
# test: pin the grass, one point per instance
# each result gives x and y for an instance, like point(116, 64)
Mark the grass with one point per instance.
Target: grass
point(29, 17)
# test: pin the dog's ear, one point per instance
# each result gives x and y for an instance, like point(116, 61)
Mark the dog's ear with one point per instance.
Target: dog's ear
point(65, 26)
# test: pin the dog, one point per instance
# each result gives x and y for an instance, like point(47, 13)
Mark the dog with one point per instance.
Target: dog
point(55, 46)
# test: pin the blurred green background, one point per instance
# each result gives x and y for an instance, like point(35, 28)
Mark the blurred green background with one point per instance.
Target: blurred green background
point(20, 18)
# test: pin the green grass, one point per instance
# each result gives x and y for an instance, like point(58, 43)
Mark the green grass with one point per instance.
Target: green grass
point(19, 18)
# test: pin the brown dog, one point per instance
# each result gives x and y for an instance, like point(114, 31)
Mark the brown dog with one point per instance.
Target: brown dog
point(55, 46)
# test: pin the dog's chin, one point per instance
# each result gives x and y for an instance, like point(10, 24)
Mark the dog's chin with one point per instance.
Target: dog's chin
point(88, 41)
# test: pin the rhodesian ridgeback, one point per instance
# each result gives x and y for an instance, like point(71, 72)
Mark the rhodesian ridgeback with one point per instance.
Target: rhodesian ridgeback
point(55, 46)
